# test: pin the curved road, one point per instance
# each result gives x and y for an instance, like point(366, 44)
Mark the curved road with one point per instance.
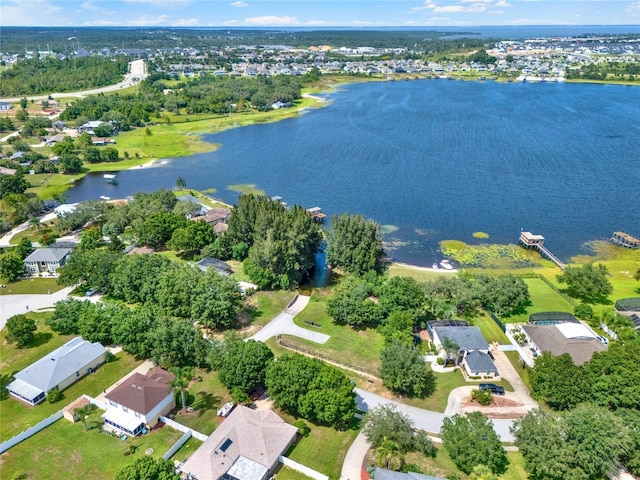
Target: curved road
point(137, 73)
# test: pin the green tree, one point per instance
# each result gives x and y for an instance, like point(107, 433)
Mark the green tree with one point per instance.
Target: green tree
point(244, 364)
point(22, 115)
point(355, 244)
point(148, 468)
point(192, 238)
point(24, 248)
point(69, 163)
point(92, 268)
point(482, 472)
point(389, 456)
point(183, 376)
point(398, 328)
point(471, 440)
point(157, 228)
point(109, 154)
point(588, 282)
point(557, 381)
point(11, 266)
point(23, 102)
point(385, 422)
point(352, 304)
point(637, 275)
point(54, 396)
point(583, 311)
point(92, 155)
point(311, 389)
point(21, 330)
point(90, 239)
point(83, 412)
point(176, 343)
point(503, 295)
point(404, 371)
point(12, 184)
point(401, 294)
point(451, 349)
point(181, 183)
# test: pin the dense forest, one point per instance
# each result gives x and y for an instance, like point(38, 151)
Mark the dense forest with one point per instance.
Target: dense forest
point(61, 39)
point(200, 95)
point(33, 76)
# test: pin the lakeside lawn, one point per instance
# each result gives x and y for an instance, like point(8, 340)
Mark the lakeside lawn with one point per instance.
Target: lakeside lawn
point(17, 416)
point(543, 299)
point(266, 305)
point(42, 286)
point(66, 450)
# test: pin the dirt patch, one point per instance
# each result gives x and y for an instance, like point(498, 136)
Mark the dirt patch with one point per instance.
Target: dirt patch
point(424, 336)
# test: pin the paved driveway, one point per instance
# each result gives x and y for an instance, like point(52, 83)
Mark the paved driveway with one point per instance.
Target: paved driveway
point(423, 419)
point(509, 373)
point(283, 324)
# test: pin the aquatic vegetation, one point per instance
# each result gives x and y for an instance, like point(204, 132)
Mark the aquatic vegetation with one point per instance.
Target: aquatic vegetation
point(486, 256)
point(387, 229)
point(246, 188)
point(482, 235)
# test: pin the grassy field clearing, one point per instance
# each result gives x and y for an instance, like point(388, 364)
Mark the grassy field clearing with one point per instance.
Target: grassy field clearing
point(31, 286)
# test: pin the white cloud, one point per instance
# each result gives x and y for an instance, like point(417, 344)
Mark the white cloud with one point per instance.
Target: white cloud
point(634, 7)
point(502, 3)
point(141, 21)
point(476, 6)
point(268, 20)
point(32, 12)
point(186, 22)
point(163, 3)
point(239, 4)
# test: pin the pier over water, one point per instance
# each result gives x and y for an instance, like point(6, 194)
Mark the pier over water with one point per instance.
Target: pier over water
point(531, 240)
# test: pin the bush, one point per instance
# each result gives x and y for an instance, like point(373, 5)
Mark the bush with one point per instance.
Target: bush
point(109, 357)
point(303, 428)
point(440, 361)
point(239, 396)
point(54, 396)
point(483, 397)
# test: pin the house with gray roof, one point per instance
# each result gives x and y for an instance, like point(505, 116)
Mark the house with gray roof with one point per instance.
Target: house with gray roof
point(46, 260)
point(246, 446)
point(573, 338)
point(479, 364)
point(59, 369)
point(473, 349)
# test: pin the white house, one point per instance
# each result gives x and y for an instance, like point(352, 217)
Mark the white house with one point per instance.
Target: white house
point(136, 403)
point(61, 368)
point(46, 260)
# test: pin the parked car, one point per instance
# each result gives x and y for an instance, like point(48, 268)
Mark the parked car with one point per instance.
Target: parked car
point(90, 292)
point(495, 389)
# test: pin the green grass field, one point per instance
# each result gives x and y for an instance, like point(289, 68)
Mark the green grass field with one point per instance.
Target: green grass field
point(266, 305)
point(66, 450)
point(31, 286)
point(543, 299)
point(490, 329)
point(17, 416)
point(286, 473)
point(35, 235)
point(326, 440)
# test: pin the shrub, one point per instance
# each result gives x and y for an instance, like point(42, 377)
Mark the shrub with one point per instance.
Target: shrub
point(440, 361)
point(303, 428)
point(483, 397)
point(109, 357)
point(54, 396)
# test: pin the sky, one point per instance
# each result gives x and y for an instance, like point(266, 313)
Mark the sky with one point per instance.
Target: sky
point(312, 13)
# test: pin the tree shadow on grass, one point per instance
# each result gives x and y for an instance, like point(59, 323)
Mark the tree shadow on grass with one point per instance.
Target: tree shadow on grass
point(40, 339)
point(206, 401)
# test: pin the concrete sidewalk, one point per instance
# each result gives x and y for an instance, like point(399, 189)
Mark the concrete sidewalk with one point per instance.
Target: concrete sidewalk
point(352, 466)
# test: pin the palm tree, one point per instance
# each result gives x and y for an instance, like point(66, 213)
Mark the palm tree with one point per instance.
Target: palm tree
point(389, 456)
point(83, 412)
point(181, 382)
point(181, 183)
point(35, 222)
point(450, 347)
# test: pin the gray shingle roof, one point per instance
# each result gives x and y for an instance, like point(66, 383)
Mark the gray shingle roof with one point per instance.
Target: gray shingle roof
point(467, 338)
point(549, 338)
point(480, 362)
point(382, 474)
point(48, 255)
point(60, 364)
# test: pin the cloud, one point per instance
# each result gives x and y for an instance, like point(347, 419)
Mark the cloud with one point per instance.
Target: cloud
point(163, 3)
point(239, 4)
point(634, 7)
point(465, 6)
point(268, 20)
point(502, 3)
point(32, 13)
point(141, 21)
point(186, 22)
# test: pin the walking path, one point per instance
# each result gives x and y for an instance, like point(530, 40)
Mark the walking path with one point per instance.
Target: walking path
point(283, 324)
point(352, 466)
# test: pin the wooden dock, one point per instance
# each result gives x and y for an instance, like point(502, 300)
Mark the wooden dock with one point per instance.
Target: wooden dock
point(623, 239)
point(316, 213)
point(531, 240)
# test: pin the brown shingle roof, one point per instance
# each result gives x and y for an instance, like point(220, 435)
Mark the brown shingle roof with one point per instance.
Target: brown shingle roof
point(141, 393)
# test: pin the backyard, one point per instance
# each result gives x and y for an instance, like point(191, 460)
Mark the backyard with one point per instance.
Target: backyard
point(66, 450)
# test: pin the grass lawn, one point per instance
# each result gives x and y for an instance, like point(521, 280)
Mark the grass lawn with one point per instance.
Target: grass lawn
point(418, 274)
point(359, 349)
point(31, 285)
point(35, 235)
point(187, 450)
point(17, 416)
point(46, 185)
point(265, 305)
point(286, 473)
point(332, 443)
point(66, 450)
point(490, 329)
point(205, 398)
point(543, 299)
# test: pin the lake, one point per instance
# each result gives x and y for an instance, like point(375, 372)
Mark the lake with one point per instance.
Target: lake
point(437, 159)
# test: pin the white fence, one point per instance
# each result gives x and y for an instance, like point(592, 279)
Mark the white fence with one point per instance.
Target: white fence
point(298, 467)
point(176, 446)
point(12, 442)
point(182, 428)
point(608, 331)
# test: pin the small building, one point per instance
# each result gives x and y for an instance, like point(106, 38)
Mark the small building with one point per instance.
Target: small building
point(46, 260)
point(138, 402)
point(8, 171)
point(5, 105)
point(623, 239)
point(59, 125)
point(59, 369)
point(246, 446)
point(529, 239)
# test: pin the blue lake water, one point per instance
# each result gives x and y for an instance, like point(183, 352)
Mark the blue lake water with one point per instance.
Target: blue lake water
point(437, 160)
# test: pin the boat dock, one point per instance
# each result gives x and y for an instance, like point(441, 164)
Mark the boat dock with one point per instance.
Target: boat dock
point(316, 213)
point(110, 178)
point(530, 240)
point(622, 239)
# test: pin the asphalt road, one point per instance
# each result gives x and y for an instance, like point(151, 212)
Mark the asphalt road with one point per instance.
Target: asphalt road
point(135, 75)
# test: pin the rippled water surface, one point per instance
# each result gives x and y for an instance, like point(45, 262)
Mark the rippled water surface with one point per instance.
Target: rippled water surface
point(438, 159)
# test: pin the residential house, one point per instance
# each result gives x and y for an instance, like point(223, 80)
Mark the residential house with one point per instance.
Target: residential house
point(59, 125)
point(473, 349)
point(221, 267)
point(89, 126)
point(7, 171)
point(215, 216)
point(573, 338)
point(138, 402)
point(46, 260)
point(382, 474)
point(59, 369)
point(247, 446)
point(5, 105)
